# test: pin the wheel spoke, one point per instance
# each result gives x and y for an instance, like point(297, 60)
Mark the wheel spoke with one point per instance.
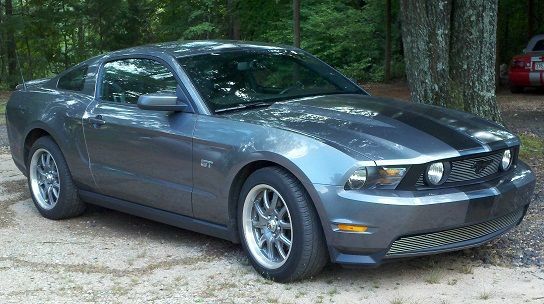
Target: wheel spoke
point(284, 225)
point(273, 203)
point(285, 240)
point(280, 249)
point(266, 201)
point(282, 212)
point(261, 240)
point(259, 209)
point(40, 170)
point(42, 188)
point(270, 248)
point(260, 223)
point(55, 192)
point(50, 195)
point(42, 160)
point(48, 160)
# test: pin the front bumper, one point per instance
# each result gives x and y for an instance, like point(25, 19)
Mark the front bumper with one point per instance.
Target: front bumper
point(422, 222)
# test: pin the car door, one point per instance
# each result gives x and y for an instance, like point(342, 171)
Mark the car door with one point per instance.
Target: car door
point(139, 155)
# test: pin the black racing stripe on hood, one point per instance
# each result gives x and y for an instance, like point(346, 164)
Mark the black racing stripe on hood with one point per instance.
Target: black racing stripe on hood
point(424, 123)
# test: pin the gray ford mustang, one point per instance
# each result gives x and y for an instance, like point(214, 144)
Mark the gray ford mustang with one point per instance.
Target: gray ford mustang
point(267, 146)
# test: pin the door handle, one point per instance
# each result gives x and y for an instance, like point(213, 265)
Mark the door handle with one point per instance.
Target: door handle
point(96, 121)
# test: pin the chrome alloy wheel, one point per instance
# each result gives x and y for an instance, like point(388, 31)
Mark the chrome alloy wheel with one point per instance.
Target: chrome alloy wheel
point(267, 226)
point(44, 179)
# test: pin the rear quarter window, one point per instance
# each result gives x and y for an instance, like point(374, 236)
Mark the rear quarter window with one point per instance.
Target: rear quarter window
point(73, 80)
point(539, 46)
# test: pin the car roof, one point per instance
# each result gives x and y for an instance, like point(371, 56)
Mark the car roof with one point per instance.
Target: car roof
point(195, 47)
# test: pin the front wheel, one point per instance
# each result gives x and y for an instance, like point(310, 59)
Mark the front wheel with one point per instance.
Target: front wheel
point(279, 228)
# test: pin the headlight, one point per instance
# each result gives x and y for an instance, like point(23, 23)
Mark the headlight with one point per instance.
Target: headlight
point(375, 177)
point(506, 161)
point(436, 173)
point(357, 180)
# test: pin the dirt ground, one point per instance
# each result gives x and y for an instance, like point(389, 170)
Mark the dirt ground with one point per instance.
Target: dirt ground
point(107, 256)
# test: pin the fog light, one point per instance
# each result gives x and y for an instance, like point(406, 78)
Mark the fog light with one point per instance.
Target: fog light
point(506, 161)
point(352, 228)
point(435, 174)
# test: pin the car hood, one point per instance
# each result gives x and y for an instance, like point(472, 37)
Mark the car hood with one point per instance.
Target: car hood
point(383, 130)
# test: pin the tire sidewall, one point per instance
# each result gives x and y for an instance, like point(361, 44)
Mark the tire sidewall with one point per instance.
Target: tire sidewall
point(273, 179)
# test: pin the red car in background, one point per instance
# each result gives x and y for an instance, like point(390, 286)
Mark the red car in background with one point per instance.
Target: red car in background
point(527, 70)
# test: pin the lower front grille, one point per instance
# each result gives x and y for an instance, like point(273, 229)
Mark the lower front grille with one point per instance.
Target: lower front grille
point(437, 240)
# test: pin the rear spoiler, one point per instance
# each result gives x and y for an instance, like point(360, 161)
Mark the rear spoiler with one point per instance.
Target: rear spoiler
point(32, 83)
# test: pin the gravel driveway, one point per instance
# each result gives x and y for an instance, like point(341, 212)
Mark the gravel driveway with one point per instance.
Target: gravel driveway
point(3, 136)
point(106, 256)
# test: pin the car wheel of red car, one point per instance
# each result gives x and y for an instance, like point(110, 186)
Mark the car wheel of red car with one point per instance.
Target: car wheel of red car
point(516, 89)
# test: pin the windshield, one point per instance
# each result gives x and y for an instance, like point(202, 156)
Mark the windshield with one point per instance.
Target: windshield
point(240, 79)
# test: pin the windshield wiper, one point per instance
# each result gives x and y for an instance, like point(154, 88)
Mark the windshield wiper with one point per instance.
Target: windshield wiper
point(245, 106)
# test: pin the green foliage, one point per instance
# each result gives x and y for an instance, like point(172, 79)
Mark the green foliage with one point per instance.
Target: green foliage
point(348, 34)
point(513, 32)
point(531, 146)
point(53, 35)
point(349, 37)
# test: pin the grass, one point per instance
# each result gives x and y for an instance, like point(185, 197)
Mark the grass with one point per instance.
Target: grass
point(434, 277)
point(333, 292)
point(452, 282)
point(531, 146)
point(466, 269)
point(4, 96)
point(300, 294)
point(398, 300)
point(485, 295)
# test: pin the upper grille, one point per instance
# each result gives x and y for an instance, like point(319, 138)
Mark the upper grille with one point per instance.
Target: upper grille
point(465, 169)
point(435, 241)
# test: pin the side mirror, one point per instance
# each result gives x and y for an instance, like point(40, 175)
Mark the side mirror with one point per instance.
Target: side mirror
point(161, 102)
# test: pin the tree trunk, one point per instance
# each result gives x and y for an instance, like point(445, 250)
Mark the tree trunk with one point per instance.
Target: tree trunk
point(11, 46)
point(387, 68)
point(29, 70)
point(2, 43)
point(296, 23)
point(234, 20)
point(450, 53)
point(530, 18)
point(473, 56)
point(425, 33)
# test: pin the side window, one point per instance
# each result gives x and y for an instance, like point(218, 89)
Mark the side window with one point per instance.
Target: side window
point(125, 80)
point(539, 46)
point(73, 80)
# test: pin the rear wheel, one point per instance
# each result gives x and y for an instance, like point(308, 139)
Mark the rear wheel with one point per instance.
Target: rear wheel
point(50, 182)
point(279, 228)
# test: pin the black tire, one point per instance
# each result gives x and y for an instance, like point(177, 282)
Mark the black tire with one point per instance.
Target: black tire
point(68, 203)
point(308, 253)
point(516, 89)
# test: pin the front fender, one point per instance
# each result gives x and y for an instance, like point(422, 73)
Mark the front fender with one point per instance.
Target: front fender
point(222, 148)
